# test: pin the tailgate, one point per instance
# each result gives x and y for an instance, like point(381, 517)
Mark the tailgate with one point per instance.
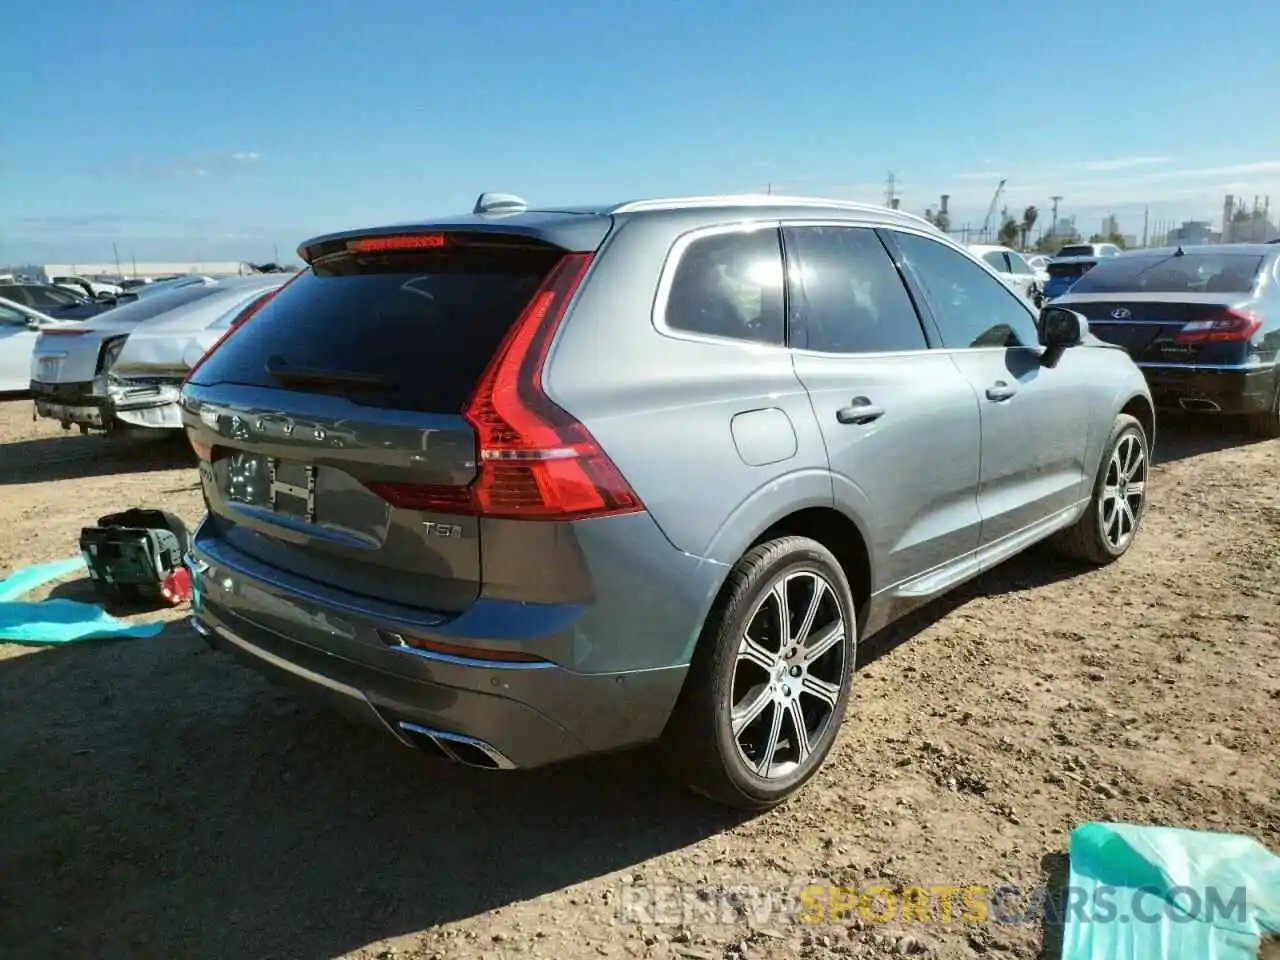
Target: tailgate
point(331, 422)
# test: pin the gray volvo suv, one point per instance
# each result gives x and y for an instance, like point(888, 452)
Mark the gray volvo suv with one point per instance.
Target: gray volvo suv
point(530, 484)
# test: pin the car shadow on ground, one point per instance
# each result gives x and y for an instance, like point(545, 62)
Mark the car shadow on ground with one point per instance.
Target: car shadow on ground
point(1180, 436)
point(73, 457)
point(161, 800)
point(1037, 567)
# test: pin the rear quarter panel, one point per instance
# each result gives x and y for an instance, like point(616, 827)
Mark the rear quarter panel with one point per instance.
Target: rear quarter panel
point(661, 405)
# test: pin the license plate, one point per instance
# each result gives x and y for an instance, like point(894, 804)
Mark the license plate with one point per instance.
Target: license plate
point(292, 489)
point(47, 368)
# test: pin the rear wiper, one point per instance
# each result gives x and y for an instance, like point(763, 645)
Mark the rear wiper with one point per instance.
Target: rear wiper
point(339, 379)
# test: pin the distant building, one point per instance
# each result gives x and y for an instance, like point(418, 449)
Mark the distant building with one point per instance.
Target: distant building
point(131, 269)
point(1192, 233)
point(1110, 225)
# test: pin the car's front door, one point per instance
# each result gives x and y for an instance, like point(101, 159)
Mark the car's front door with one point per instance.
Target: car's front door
point(1035, 418)
point(1024, 278)
point(900, 421)
point(16, 342)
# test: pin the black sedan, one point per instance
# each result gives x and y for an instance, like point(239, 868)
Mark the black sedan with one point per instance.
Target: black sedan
point(1202, 322)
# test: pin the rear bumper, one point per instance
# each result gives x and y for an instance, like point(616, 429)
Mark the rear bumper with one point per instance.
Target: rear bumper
point(1207, 389)
point(70, 403)
point(519, 714)
point(142, 404)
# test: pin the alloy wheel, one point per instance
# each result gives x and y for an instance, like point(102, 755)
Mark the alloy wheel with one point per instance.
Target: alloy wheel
point(792, 661)
point(1123, 490)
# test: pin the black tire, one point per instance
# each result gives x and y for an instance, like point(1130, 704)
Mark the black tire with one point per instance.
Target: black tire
point(699, 741)
point(1267, 424)
point(1085, 540)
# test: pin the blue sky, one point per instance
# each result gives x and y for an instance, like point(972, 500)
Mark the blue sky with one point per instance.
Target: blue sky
point(183, 130)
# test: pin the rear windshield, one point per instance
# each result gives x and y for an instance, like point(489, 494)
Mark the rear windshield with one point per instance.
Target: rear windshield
point(1078, 250)
point(1163, 273)
point(1069, 269)
point(425, 325)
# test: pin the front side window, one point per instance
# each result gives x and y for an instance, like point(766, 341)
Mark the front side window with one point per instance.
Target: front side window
point(1019, 266)
point(729, 285)
point(846, 294)
point(973, 309)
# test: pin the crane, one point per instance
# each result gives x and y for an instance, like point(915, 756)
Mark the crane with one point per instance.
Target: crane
point(991, 210)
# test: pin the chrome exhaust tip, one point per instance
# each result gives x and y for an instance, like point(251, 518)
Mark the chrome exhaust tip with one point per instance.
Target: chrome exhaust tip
point(1197, 403)
point(467, 751)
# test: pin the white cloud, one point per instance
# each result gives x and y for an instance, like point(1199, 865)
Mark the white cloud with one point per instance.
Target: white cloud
point(246, 156)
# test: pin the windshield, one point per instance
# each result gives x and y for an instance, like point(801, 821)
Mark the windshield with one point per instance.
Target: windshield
point(1076, 269)
point(1077, 250)
point(1167, 273)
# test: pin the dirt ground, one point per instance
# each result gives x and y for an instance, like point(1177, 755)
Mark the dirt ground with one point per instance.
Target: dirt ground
point(157, 800)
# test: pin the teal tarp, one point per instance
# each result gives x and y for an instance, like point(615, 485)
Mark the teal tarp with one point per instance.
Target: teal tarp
point(58, 621)
point(1159, 893)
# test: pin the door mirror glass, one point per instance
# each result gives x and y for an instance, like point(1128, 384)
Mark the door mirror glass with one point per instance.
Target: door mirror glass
point(1062, 328)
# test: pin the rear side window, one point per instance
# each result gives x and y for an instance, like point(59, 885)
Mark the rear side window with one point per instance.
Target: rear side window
point(729, 285)
point(995, 260)
point(846, 294)
point(1165, 273)
point(425, 323)
point(49, 297)
point(16, 294)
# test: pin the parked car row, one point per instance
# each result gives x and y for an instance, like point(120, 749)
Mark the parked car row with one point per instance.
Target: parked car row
point(124, 367)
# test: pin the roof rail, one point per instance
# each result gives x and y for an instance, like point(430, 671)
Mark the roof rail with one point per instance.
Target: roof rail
point(499, 203)
point(758, 200)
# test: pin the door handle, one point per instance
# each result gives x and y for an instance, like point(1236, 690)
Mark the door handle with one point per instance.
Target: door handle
point(860, 411)
point(1000, 390)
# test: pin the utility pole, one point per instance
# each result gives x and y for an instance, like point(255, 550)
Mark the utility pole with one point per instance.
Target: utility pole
point(769, 189)
point(891, 191)
point(115, 249)
point(1146, 214)
point(1053, 227)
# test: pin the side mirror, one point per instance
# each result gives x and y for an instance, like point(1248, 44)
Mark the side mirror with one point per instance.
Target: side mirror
point(1061, 328)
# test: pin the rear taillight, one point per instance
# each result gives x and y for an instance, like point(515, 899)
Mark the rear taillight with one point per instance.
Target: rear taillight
point(1232, 325)
point(60, 332)
point(535, 461)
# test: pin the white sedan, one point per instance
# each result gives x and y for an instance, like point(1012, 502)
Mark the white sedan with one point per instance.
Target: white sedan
point(73, 364)
point(19, 328)
point(1012, 268)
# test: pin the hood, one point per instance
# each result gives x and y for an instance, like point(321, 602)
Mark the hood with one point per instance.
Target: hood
point(157, 347)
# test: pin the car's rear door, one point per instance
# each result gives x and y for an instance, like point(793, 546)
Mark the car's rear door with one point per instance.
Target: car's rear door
point(900, 421)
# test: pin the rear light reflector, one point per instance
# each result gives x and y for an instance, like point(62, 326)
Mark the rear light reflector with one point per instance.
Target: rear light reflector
point(1229, 326)
point(536, 462)
point(411, 241)
point(458, 650)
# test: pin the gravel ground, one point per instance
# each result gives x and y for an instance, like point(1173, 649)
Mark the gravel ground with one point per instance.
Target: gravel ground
point(160, 801)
